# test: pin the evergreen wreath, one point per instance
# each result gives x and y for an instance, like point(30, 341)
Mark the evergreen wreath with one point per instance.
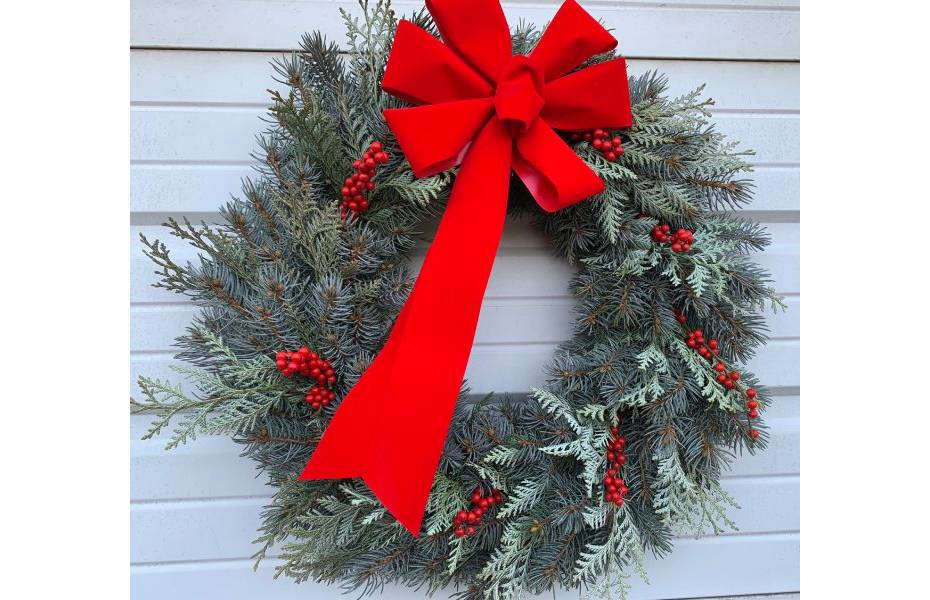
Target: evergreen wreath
point(644, 406)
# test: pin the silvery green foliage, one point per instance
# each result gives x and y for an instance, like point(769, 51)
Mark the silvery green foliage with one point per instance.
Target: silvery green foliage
point(285, 270)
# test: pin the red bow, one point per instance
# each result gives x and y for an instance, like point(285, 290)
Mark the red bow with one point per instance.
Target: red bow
point(491, 111)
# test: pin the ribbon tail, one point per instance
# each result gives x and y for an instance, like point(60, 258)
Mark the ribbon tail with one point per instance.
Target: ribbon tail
point(391, 428)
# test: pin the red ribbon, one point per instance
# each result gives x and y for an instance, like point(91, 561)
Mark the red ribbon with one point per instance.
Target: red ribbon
point(491, 111)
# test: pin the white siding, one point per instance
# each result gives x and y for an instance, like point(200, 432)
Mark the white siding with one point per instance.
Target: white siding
point(199, 75)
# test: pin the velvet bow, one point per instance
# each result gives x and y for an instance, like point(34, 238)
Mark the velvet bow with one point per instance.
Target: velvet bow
point(483, 107)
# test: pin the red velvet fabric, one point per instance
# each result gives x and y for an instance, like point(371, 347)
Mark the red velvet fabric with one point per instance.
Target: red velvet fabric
point(492, 112)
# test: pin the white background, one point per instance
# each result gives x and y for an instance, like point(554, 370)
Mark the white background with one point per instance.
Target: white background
point(198, 75)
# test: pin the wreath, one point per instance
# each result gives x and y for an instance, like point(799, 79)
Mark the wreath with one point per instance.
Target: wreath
point(301, 288)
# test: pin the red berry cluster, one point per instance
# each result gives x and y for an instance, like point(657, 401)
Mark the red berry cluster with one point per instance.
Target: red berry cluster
point(611, 149)
point(696, 341)
point(615, 489)
point(320, 396)
point(308, 363)
point(465, 520)
point(681, 240)
point(727, 379)
point(752, 410)
point(355, 187)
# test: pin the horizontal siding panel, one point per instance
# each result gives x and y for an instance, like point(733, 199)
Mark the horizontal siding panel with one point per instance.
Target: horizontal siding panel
point(524, 267)
point(227, 135)
point(513, 369)
point(761, 31)
point(208, 467)
point(225, 528)
point(153, 328)
point(211, 467)
point(713, 566)
point(517, 368)
point(194, 77)
point(203, 188)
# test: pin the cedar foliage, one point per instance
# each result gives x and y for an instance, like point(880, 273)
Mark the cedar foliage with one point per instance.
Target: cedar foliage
point(284, 270)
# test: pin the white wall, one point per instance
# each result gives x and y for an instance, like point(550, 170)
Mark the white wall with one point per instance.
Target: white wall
point(199, 74)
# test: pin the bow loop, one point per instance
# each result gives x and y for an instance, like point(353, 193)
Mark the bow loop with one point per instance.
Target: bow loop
point(435, 137)
point(423, 70)
point(552, 172)
point(598, 96)
point(477, 30)
point(571, 38)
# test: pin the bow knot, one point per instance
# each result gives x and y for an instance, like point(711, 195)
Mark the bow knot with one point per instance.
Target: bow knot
point(518, 97)
point(478, 105)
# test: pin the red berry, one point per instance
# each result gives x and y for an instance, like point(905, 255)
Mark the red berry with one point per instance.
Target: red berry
point(753, 413)
point(754, 434)
point(751, 393)
point(752, 404)
point(734, 375)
